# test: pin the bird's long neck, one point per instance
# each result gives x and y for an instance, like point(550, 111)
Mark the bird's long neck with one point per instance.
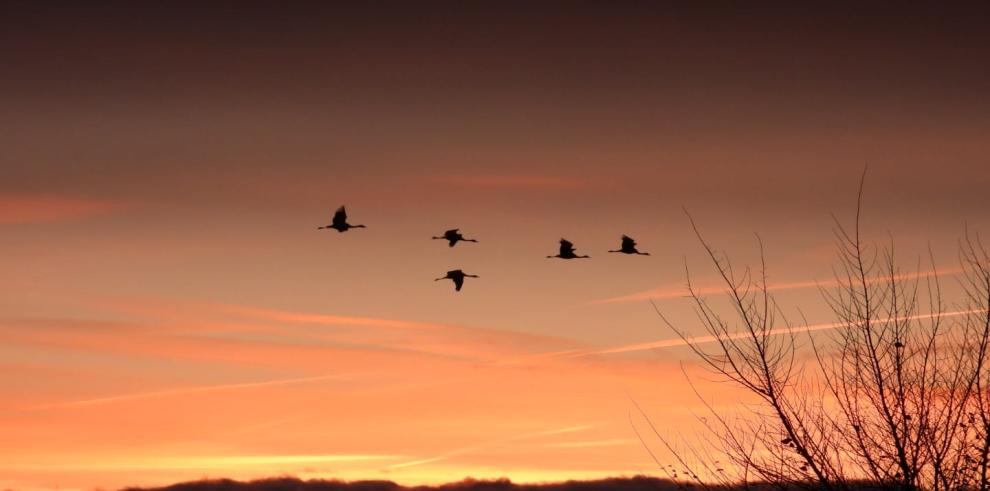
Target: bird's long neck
point(358, 226)
point(614, 251)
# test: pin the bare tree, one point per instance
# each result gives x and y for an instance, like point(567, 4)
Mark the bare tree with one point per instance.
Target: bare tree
point(894, 394)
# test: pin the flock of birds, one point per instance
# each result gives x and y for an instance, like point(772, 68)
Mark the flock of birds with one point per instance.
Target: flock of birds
point(453, 236)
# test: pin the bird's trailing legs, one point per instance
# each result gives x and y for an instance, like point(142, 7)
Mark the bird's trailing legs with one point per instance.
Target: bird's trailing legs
point(629, 247)
point(453, 236)
point(567, 251)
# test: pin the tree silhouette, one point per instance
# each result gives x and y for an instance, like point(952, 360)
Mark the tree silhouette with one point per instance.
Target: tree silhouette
point(894, 396)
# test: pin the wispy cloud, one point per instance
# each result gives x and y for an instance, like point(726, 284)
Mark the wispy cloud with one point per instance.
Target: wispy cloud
point(224, 317)
point(483, 343)
point(98, 401)
point(681, 291)
point(239, 460)
point(303, 342)
point(326, 319)
point(613, 442)
point(204, 462)
point(474, 448)
point(535, 358)
point(674, 342)
point(18, 208)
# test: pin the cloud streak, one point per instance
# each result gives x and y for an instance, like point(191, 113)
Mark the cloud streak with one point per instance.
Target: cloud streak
point(19, 208)
point(675, 342)
point(99, 401)
point(206, 462)
point(326, 319)
point(682, 291)
point(473, 448)
point(592, 443)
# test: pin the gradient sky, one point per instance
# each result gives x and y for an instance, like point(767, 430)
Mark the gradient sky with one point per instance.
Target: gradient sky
point(169, 311)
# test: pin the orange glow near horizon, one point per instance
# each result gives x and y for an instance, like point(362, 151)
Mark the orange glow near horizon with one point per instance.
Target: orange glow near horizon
point(482, 415)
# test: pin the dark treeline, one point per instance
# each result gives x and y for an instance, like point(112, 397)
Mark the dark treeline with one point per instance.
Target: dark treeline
point(638, 483)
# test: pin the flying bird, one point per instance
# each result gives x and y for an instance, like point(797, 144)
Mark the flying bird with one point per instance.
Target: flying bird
point(567, 251)
point(452, 236)
point(629, 247)
point(340, 221)
point(458, 277)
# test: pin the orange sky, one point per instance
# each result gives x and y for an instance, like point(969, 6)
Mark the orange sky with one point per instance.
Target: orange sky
point(169, 311)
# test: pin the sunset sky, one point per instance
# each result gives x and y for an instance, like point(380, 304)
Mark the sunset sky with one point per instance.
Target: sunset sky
point(169, 311)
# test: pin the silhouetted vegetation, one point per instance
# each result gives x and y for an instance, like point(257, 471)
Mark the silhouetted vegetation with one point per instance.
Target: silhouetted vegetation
point(894, 394)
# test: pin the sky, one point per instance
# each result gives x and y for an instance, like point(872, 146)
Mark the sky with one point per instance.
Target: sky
point(169, 310)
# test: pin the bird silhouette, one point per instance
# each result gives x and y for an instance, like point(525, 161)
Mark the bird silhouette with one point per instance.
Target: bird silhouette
point(340, 221)
point(458, 277)
point(567, 251)
point(453, 235)
point(629, 247)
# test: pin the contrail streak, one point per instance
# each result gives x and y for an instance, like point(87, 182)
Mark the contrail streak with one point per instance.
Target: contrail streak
point(679, 292)
point(674, 342)
point(326, 319)
point(473, 448)
point(126, 463)
point(193, 390)
point(614, 442)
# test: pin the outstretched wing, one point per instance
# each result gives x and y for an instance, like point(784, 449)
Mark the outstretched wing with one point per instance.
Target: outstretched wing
point(628, 242)
point(452, 231)
point(566, 247)
point(340, 216)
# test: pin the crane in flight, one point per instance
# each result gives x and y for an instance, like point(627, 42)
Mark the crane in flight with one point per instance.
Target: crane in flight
point(567, 251)
point(629, 247)
point(339, 222)
point(453, 236)
point(457, 276)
